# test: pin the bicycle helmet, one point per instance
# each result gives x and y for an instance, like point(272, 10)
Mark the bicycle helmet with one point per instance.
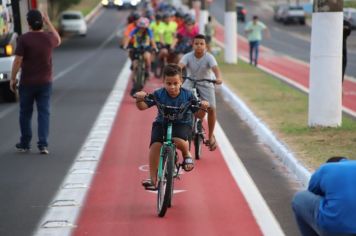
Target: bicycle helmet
point(135, 16)
point(143, 22)
point(165, 16)
point(158, 17)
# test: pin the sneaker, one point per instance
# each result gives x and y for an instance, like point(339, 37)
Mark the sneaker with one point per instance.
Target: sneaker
point(21, 148)
point(44, 150)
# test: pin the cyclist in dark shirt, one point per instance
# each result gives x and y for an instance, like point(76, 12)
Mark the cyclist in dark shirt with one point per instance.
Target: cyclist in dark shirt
point(171, 94)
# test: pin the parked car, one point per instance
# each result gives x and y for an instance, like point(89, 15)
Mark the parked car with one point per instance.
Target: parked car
point(350, 15)
point(241, 12)
point(289, 13)
point(72, 22)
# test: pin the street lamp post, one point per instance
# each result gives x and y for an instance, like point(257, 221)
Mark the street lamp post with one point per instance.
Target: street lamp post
point(230, 30)
point(325, 88)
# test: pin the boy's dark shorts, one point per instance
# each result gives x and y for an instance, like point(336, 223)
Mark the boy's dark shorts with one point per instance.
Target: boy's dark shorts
point(182, 131)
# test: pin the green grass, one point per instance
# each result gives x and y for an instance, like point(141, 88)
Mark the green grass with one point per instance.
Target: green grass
point(285, 111)
point(350, 3)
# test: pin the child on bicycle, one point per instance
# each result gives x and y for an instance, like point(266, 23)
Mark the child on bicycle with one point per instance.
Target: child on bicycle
point(142, 37)
point(171, 94)
point(200, 64)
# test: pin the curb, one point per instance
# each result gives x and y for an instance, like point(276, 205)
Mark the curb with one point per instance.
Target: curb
point(263, 132)
point(266, 136)
point(93, 13)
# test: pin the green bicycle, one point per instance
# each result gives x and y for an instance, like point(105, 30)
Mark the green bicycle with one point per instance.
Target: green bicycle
point(168, 167)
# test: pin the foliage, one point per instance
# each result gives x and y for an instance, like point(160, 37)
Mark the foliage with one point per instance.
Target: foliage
point(56, 6)
point(350, 3)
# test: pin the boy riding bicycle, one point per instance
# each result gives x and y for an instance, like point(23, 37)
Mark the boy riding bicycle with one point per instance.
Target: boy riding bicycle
point(171, 94)
point(142, 38)
point(200, 64)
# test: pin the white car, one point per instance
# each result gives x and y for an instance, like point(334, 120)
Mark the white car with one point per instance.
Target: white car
point(128, 4)
point(72, 22)
point(289, 13)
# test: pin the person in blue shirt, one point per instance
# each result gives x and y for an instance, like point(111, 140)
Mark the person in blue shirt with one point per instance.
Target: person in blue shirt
point(328, 207)
point(172, 94)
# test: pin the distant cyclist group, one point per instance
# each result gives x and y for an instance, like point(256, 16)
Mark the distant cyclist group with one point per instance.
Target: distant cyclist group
point(164, 30)
point(181, 58)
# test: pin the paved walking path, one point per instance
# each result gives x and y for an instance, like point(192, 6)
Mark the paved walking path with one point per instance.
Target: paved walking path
point(290, 70)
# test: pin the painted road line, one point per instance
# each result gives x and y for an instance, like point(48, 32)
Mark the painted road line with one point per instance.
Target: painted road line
point(63, 212)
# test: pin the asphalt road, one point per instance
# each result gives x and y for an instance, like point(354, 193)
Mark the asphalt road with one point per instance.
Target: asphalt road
point(85, 71)
point(291, 40)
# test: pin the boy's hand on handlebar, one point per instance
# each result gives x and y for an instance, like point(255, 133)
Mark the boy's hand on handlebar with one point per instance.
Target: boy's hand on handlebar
point(204, 105)
point(218, 81)
point(140, 96)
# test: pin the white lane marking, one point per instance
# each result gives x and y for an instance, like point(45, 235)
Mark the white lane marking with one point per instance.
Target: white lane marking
point(174, 191)
point(263, 215)
point(60, 220)
point(144, 168)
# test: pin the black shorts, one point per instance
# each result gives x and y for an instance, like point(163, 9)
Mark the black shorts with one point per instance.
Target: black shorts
point(182, 131)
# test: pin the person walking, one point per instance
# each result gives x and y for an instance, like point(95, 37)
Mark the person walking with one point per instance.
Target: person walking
point(328, 206)
point(33, 55)
point(253, 30)
point(209, 32)
point(346, 34)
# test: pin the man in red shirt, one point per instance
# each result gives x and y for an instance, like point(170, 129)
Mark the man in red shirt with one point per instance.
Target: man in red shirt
point(34, 56)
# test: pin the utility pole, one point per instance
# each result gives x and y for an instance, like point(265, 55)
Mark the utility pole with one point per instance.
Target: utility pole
point(203, 16)
point(230, 30)
point(325, 85)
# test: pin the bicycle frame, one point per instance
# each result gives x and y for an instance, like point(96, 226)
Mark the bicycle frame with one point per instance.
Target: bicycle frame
point(168, 156)
point(168, 142)
point(197, 131)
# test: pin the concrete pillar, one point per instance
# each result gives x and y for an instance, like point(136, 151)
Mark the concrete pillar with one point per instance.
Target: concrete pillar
point(230, 29)
point(325, 96)
point(203, 18)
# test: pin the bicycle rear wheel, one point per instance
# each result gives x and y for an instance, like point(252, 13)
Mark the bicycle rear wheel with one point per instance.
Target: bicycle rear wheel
point(165, 182)
point(139, 77)
point(158, 71)
point(198, 139)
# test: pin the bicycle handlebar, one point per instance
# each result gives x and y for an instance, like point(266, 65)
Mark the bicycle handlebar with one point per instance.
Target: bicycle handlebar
point(171, 112)
point(200, 80)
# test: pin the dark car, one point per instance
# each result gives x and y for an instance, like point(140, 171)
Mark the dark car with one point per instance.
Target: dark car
point(350, 15)
point(241, 12)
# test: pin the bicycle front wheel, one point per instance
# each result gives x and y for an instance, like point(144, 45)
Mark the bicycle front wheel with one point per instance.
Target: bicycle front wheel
point(165, 182)
point(139, 77)
point(198, 139)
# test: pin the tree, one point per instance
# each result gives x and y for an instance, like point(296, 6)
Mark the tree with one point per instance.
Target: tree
point(56, 6)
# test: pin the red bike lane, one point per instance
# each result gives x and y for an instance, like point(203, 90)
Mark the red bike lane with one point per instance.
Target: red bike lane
point(207, 201)
point(297, 72)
